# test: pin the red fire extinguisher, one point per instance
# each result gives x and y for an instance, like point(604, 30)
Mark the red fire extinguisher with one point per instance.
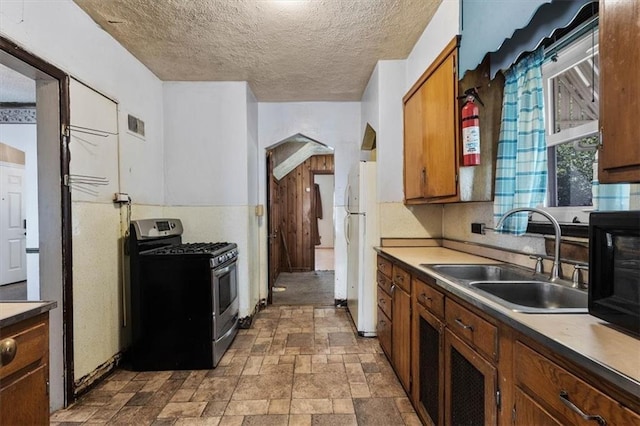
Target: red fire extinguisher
point(470, 128)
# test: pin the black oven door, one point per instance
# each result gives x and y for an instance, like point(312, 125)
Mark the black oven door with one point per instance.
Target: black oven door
point(225, 297)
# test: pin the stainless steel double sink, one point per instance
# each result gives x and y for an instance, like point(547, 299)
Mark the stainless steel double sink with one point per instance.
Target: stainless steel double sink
point(516, 288)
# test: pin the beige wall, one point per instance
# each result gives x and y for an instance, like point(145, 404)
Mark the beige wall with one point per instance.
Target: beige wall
point(9, 154)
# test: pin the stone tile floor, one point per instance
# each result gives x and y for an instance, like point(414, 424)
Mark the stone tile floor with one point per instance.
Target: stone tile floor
point(296, 365)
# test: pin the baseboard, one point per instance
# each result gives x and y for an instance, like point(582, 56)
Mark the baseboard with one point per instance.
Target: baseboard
point(89, 381)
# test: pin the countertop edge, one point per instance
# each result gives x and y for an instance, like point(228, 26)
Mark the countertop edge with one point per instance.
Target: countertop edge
point(594, 366)
point(29, 312)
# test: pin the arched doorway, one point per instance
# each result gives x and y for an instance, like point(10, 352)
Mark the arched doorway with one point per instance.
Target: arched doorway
point(295, 209)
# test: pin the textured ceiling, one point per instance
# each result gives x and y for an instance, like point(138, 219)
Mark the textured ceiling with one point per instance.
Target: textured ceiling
point(288, 50)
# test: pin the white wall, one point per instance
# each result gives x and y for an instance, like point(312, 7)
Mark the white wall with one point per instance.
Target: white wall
point(444, 26)
point(60, 33)
point(205, 130)
point(24, 138)
point(336, 124)
point(210, 131)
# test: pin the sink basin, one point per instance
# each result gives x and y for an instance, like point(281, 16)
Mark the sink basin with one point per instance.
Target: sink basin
point(534, 296)
point(485, 272)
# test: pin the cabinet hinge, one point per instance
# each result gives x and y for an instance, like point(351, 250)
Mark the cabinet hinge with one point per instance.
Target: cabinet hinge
point(498, 398)
point(65, 180)
point(513, 414)
point(456, 178)
point(47, 387)
point(600, 138)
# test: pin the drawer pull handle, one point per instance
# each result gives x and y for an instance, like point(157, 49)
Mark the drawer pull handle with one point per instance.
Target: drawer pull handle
point(463, 325)
point(564, 397)
point(8, 350)
point(425, 297)
point(399, 278)
point(382, 301)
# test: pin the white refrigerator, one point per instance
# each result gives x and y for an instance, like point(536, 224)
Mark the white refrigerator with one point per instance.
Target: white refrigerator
point(362, 234)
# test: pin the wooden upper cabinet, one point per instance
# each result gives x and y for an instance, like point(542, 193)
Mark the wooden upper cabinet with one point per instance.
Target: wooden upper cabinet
point(619, 155)
point(431, 157)
point(414, 167)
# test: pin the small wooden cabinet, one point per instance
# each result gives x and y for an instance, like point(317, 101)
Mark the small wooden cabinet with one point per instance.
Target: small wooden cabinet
point(401, 326)
point(394, 317)
point(385, 305)
point(619, 154)
point(24, 396)
point(431, 142)
point(427, 358)
point(470, 385)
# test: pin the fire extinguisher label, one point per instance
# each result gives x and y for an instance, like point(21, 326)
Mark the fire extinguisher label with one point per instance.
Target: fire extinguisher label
point(471, 140)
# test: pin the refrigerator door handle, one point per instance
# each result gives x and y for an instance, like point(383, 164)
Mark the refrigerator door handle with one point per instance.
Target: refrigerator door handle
point(347, 197)
point(347, 228)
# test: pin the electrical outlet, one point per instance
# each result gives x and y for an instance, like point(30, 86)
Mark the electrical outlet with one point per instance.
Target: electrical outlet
point(477, 228)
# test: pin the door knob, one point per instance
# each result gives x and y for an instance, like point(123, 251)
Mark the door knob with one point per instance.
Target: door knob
point(8, 350)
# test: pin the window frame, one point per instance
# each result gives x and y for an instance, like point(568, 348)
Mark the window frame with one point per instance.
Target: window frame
point(566, 55)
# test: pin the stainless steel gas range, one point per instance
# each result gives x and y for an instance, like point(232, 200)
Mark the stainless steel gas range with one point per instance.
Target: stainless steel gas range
point(184, 298)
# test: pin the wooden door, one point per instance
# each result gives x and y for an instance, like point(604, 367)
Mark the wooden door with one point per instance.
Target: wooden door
point(440, 132)
point(401, 335)
point(414, 170)
point(273, 226)
point(470, 385)
point(13, 258)
point(427, 362)
point(619, 155)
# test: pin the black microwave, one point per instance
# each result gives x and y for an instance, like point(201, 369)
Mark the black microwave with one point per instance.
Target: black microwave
point(614, 268)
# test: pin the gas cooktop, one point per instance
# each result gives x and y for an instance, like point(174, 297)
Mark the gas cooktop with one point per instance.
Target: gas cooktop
point(212, 249)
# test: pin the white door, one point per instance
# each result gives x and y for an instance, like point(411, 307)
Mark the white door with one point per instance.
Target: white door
point(13, 259)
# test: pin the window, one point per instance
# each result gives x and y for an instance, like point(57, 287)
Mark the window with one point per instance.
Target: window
point(571, 88)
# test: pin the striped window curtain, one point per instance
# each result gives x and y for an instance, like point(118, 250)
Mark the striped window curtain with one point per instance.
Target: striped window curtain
point(521, 169)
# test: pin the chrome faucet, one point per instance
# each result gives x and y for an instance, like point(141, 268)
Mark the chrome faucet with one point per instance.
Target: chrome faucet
point(556, 270)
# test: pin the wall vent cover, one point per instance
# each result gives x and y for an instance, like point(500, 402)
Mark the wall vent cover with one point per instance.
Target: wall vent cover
point(136, 125)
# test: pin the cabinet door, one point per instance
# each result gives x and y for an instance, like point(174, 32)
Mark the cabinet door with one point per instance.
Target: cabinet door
point(619, 156)
point(383, 330)
point(427, 362)
point(470, 385)
point(527, 412)
point(25, 401)
point(414, 169)
point(441, 153)
point(401, 335)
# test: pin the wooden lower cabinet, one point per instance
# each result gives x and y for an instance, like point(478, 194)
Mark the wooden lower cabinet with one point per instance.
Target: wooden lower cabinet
point(401, 335)
point(427, 366)
point(24, 398)
point(470, 385)
point(384, 331)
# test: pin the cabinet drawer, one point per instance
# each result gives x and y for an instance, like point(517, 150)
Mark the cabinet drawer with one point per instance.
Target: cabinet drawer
point(30, 343)
point(384, 302)
point(470, 327)
point(384, 266)
point(383, 329)
point(384, 282)
point(557, 389)
point(401, 278)
point(429, 297)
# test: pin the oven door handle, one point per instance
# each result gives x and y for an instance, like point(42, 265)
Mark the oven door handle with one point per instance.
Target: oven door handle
point(224, 270)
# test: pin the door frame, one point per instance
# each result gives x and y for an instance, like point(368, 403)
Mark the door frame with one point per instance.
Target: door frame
point(34, 61)
point(314, 222)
